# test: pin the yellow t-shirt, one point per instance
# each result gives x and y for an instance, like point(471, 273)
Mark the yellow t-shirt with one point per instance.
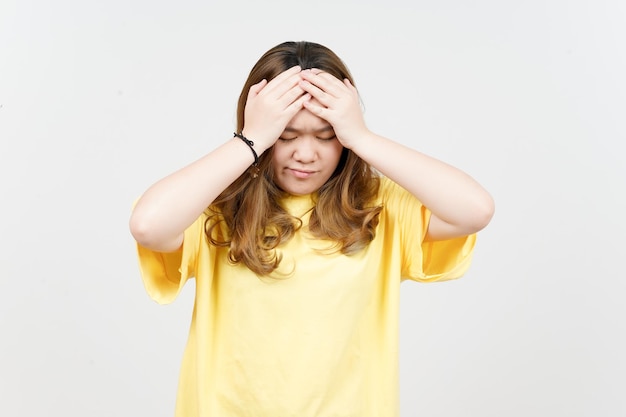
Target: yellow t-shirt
point(323, 341)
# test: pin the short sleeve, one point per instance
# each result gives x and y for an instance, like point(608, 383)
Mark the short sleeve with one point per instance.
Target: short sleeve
point(422, 261)
point(164, 274)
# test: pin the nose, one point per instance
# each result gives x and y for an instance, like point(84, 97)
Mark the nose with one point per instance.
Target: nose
point(305, 150)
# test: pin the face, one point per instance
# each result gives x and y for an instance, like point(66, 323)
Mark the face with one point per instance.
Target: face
point(306, 154)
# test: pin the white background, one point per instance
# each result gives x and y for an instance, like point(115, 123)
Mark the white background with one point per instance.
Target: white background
point(98, 99)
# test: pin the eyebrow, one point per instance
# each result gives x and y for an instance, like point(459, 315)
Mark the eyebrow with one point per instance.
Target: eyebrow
point(327, 128)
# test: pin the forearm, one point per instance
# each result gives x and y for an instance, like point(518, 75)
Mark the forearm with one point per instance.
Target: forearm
point(453, 197)
point(169, 206)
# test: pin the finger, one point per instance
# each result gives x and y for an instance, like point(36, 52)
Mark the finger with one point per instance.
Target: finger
point(297, 105)
point(316, 92)
point(315, 70)
point(317, 110)
point(287, 73)
point(291, 95)
point(254, 90)
point(348, 84)
point(285, 76)
point(324, 81)
point(278, 91)
point(336, 86)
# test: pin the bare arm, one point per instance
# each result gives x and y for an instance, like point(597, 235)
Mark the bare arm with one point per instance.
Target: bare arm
point(169, 206)
point(459, 205)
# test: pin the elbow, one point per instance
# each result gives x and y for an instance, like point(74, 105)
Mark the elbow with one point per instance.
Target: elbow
point(147, 235)
point(141, 230)
point(484, 212)
point(151, 231)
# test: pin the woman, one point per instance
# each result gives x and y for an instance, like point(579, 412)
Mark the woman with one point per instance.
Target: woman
point(299, 231)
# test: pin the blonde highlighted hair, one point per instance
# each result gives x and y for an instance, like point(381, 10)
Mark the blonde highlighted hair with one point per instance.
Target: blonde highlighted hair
point(249, 207)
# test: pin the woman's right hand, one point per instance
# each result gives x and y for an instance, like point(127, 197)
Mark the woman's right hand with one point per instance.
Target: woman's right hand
point(270, 107)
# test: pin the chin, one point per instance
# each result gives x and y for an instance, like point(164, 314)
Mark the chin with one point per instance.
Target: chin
point(299, 189)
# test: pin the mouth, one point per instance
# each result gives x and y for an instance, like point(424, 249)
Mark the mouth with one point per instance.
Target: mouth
point(300, 173)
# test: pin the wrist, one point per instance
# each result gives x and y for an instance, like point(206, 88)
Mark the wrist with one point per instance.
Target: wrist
point(357, 140)
point(254, 167)
point(259, 145)
point(250, 144)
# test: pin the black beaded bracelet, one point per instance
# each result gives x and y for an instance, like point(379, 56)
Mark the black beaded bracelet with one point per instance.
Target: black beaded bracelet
point(250, 145)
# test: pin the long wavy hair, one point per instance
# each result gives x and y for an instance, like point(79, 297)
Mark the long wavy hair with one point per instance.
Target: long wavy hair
point(256, 224)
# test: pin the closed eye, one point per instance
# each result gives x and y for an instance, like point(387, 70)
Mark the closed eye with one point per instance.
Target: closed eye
point(328, 138)
point(286, 139)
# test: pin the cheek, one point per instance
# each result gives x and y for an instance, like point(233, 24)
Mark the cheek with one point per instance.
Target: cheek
point(334, 154)
point(279, 158)
point(277, 154)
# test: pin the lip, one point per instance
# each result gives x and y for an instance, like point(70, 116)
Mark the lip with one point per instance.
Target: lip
point(300, 173)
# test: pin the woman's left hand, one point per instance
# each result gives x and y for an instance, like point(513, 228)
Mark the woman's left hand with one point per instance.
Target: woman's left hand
point(336, 102)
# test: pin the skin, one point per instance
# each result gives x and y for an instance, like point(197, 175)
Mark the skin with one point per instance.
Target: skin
point(303, 105)
point(459, 205)
point(306, 154)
